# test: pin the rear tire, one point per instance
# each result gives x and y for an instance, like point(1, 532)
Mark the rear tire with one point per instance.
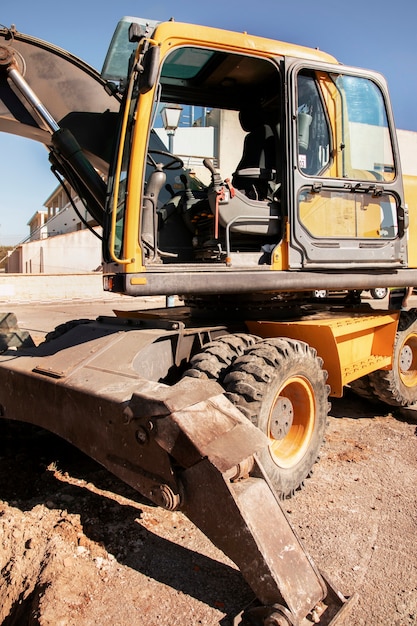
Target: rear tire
point(398, 386)
point(279, 384)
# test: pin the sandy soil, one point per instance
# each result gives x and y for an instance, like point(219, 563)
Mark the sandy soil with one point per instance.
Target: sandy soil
point(77, 547)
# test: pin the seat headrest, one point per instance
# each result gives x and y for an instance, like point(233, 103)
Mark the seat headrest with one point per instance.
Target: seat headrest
point(251, 118)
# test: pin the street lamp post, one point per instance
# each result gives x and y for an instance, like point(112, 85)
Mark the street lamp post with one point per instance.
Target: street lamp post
point(171, 114)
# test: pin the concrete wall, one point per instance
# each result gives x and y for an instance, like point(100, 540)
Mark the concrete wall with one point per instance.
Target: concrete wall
point(71, 253)
point(407, 141)
point(46, 287)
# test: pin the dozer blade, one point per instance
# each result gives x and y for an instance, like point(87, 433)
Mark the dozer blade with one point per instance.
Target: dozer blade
point(183, 446)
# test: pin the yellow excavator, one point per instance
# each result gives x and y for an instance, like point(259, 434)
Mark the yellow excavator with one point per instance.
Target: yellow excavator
point(242, 175)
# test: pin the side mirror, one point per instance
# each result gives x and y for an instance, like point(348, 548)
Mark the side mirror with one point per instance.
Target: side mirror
point(136, 32)
point(149, 72)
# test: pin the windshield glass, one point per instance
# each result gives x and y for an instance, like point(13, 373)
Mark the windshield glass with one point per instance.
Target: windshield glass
point(116, 63)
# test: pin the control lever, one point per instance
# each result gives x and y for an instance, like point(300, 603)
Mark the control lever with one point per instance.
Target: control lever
point(215, 174)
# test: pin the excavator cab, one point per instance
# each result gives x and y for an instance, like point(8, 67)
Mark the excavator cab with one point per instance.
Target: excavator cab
point(248, 178)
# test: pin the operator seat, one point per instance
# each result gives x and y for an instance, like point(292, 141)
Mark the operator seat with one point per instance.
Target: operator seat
point(258, 165)
point(255, 180)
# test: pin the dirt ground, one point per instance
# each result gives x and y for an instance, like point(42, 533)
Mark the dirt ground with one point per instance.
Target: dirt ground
point(78, 547)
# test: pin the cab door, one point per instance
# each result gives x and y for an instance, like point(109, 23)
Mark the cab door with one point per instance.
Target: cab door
point(345, 194)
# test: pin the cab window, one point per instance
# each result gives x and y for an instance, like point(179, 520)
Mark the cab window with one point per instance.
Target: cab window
point(342, 127)
point(312, 127)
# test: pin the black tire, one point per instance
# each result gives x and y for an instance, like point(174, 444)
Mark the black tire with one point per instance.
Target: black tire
point(398, 386)
point(379, 293)
point(217, 357)
point(285, 375)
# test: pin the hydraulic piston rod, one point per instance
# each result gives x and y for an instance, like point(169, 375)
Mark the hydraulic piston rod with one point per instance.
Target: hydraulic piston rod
point(67, 155)
point(7, 60)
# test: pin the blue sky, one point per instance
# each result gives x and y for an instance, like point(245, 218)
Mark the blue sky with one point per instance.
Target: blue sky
point(376, 35)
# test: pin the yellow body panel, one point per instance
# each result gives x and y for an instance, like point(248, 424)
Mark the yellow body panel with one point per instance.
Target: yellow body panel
point(351, 346)
point(337, 216)
point(279, 259)
point(134, 199)
point(172, 34)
